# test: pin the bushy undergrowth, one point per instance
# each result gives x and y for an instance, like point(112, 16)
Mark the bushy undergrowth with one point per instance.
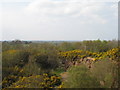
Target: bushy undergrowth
point(25, 64)
point(80, 77)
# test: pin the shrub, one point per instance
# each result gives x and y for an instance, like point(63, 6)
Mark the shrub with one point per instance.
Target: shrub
point(37, 81)
point(47, 62)
point(80, 77)
point(104, 71)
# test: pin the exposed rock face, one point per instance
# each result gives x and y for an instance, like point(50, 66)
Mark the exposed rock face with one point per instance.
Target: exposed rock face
point(87, 61)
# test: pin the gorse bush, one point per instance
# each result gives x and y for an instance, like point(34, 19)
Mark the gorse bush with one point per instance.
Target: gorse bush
point(12, 59)
point(85, 64)
point(37, 81)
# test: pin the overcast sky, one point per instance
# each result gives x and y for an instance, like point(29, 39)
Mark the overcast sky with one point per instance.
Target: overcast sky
point(58, 19)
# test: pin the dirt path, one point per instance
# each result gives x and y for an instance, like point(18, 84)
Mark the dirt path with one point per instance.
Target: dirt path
point(64, 75)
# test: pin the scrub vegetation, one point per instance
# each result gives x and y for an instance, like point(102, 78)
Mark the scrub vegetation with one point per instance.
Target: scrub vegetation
point(60, 64)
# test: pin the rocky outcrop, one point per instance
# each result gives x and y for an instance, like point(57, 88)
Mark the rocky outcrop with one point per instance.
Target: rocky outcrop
point(87, 61)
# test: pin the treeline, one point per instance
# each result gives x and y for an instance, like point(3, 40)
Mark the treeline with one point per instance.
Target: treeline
point(42, 65)
point(89, 45)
